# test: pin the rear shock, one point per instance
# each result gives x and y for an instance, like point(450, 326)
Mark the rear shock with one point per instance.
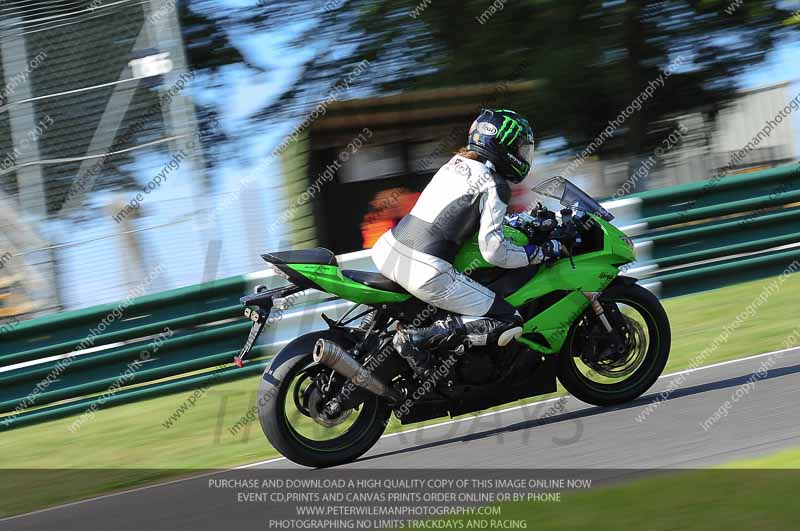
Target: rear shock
point(366, 322)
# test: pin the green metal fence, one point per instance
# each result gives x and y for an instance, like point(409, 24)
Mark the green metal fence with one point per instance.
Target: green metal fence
point(698, 236)
point(716, 232)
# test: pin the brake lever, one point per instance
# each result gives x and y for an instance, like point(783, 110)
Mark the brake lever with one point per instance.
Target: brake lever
point(571, 261)
point(563, 234)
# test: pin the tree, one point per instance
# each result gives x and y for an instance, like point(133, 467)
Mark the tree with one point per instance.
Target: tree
point(209, 50)
point(595, 56)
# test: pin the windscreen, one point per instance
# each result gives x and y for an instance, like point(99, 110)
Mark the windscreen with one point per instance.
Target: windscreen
point(570, 196)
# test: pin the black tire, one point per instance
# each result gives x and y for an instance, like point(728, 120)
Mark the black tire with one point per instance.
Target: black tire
point(373, 416)
point(602, 394)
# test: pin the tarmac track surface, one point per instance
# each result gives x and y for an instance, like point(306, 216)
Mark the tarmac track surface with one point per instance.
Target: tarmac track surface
point(760, 416)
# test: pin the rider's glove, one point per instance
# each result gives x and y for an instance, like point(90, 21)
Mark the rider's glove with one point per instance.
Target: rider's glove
point(545, 252)
point(532, 251)
point(551, 250)
point(514, 221)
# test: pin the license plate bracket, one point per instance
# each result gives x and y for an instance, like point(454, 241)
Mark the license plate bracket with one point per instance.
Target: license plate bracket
point(259, 318)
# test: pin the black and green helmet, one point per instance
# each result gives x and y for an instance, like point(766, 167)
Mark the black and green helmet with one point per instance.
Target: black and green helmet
point(506, 139)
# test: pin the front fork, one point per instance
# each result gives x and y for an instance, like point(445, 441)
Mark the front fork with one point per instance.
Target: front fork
point(594, 300)
point(618, 343)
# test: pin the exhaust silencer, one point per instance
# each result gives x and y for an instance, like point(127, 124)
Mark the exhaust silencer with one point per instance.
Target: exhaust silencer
point(332, 355)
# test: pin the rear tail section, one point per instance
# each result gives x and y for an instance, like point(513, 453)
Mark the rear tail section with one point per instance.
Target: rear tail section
point(318, 269)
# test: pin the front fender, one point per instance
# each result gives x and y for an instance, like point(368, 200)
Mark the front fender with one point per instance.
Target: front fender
point(298, 347)
point(622, 280)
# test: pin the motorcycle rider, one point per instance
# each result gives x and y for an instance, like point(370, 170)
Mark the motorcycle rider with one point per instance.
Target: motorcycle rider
point(468, 194)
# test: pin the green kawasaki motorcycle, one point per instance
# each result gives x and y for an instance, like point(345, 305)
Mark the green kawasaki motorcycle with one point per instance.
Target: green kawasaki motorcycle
point(327, 396)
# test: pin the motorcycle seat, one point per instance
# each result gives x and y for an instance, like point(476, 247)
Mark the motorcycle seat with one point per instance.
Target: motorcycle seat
point(373, 280)
point(320, 256)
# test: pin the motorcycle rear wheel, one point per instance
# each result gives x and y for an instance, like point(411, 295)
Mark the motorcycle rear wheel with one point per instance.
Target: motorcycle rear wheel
point(297, 437)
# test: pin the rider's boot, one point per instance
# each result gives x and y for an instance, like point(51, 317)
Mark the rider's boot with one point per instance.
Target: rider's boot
point(492, 331)
point(415, 345)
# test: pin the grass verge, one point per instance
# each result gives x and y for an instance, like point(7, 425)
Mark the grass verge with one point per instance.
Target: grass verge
point(743, 495)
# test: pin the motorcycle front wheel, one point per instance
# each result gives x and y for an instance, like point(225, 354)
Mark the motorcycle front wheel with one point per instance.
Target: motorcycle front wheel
point(604, 371)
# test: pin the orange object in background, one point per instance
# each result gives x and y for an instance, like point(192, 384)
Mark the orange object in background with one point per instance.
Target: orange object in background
point(13, 300)
point(389, 206)
point(385, 210)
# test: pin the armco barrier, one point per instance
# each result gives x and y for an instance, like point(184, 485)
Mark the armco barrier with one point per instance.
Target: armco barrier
point(711, 233)
point(42, 368)
point(689, 238)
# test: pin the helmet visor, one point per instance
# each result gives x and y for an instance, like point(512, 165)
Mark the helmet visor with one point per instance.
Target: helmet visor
point(525, 153)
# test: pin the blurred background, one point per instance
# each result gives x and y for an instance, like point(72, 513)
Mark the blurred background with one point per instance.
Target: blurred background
point(153, 144)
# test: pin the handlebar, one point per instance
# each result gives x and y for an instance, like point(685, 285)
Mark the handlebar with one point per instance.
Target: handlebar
point(567, 234)
point(542, 225)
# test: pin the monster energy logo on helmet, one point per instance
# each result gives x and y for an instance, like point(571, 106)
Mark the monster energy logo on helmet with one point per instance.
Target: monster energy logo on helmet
point(509, 131)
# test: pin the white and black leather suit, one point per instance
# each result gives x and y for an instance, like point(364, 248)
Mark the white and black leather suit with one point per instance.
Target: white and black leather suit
point(464, 197)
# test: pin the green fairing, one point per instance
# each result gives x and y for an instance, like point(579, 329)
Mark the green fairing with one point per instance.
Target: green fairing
point(546, 331)
point(554, 323)
point(330, 279)
point(470, 258)
point(593, 273)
